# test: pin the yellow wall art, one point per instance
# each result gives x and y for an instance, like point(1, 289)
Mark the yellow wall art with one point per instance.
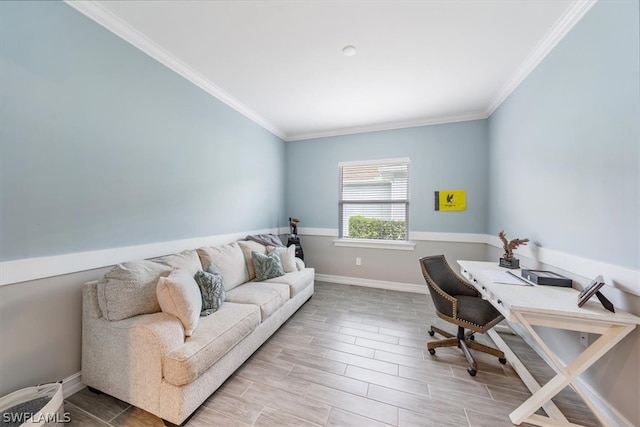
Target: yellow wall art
point(451, 200)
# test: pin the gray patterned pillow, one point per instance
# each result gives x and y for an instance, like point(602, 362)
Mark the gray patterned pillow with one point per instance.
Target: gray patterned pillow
point(267, 266)
point(211, 289)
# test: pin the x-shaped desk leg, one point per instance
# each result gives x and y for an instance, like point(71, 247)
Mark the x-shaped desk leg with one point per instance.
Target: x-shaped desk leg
point(611, 335)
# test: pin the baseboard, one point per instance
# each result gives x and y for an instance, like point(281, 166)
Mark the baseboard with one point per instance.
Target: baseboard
point(369, 283)
point(72, 384)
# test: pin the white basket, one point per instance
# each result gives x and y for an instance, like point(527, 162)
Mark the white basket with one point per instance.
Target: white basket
point(34, 406)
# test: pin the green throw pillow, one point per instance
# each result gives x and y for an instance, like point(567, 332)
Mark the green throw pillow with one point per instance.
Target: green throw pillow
point(267, 266)
point(211, 289)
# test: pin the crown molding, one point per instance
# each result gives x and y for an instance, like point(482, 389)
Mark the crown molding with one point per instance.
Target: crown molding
point(557, 32)
point(111, 22)
point(117, 26)
point(389, 126)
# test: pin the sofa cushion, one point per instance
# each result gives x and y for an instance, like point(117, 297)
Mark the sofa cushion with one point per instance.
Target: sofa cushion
point(230, 261)
point(186, 260)
point(211, 289)
point(287, 256)
point(214, 337)
point(297, 281)
point(247, 247)
point(129, 289)
point(268, 296)
point(179, 294)
point(267, 266)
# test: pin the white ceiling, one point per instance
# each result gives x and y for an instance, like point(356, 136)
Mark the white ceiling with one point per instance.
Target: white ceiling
point(280, 62)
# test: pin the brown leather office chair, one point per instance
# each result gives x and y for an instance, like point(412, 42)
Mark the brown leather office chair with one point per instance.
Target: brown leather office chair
point(458, 302)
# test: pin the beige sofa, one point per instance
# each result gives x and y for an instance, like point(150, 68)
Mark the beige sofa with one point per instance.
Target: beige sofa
point(135, 352)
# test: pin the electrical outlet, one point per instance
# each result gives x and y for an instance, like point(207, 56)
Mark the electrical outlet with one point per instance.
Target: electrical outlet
point(584, 339)
point(358, 261)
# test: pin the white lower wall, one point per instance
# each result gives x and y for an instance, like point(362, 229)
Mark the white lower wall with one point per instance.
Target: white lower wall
point(40, 302)
point(41, 309)
point(401, 266)
point(385, 265)
point(41, 329)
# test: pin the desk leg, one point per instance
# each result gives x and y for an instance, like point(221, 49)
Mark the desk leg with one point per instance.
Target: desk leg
point(549, 407)
point(566, 375)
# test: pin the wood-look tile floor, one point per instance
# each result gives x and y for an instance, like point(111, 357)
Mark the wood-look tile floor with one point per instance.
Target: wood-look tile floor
point(355, 356)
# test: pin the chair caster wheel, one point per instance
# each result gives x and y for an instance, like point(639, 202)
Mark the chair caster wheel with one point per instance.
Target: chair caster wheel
point(472, 372)
point(432, 351)
point(502, 360)
point(431, 333)
point(472, 338)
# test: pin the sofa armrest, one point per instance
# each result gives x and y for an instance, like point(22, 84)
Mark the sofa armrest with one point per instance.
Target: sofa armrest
point(300, 264)
point(124, 358)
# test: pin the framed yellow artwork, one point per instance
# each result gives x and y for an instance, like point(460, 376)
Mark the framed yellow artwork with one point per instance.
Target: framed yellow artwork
point(451, 200)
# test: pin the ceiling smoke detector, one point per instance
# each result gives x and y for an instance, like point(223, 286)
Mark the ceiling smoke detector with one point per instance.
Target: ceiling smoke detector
point(349, 50)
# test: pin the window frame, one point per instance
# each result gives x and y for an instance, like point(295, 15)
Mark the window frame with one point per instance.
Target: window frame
point(343, 240)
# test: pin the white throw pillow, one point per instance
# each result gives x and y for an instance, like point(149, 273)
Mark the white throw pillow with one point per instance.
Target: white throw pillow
point(179, 294)
point(247, 247)
point(287, 256)
point(230, 260)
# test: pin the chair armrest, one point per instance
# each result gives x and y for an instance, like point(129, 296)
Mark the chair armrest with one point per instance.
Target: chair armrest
point(445, 304)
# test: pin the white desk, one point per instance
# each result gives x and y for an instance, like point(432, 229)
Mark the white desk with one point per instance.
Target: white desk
point(552, 307)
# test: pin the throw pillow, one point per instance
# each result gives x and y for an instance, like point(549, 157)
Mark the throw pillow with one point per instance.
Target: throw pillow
point(287, 256)
point(178, 294)
point(230, 260)
point(267, 266)
point(129, 289)
point(247, 247)
point(211, 289)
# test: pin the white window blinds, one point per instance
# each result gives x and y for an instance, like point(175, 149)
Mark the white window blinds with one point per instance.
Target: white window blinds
point(374, 200)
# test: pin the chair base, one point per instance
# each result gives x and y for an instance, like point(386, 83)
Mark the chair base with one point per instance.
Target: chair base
point(464, 341)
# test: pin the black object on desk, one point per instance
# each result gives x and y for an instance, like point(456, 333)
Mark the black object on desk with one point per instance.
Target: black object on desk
point(594, 288)
point(549, 278)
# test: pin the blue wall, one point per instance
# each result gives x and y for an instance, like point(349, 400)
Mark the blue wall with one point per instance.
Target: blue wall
point(565, 146)
point(447, 156)
point(102, 146)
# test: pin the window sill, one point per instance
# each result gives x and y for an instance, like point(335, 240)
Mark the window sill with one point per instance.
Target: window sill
point(375, 244)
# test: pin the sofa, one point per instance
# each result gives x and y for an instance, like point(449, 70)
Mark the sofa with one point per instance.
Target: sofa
point(138, 350)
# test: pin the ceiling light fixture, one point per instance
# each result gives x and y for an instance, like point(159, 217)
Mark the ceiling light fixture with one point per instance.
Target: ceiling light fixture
point(349, 50)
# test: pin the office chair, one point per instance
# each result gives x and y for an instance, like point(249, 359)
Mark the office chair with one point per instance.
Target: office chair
point(459, 303)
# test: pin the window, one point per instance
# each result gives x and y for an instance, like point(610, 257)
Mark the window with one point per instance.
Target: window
point(374, 200)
